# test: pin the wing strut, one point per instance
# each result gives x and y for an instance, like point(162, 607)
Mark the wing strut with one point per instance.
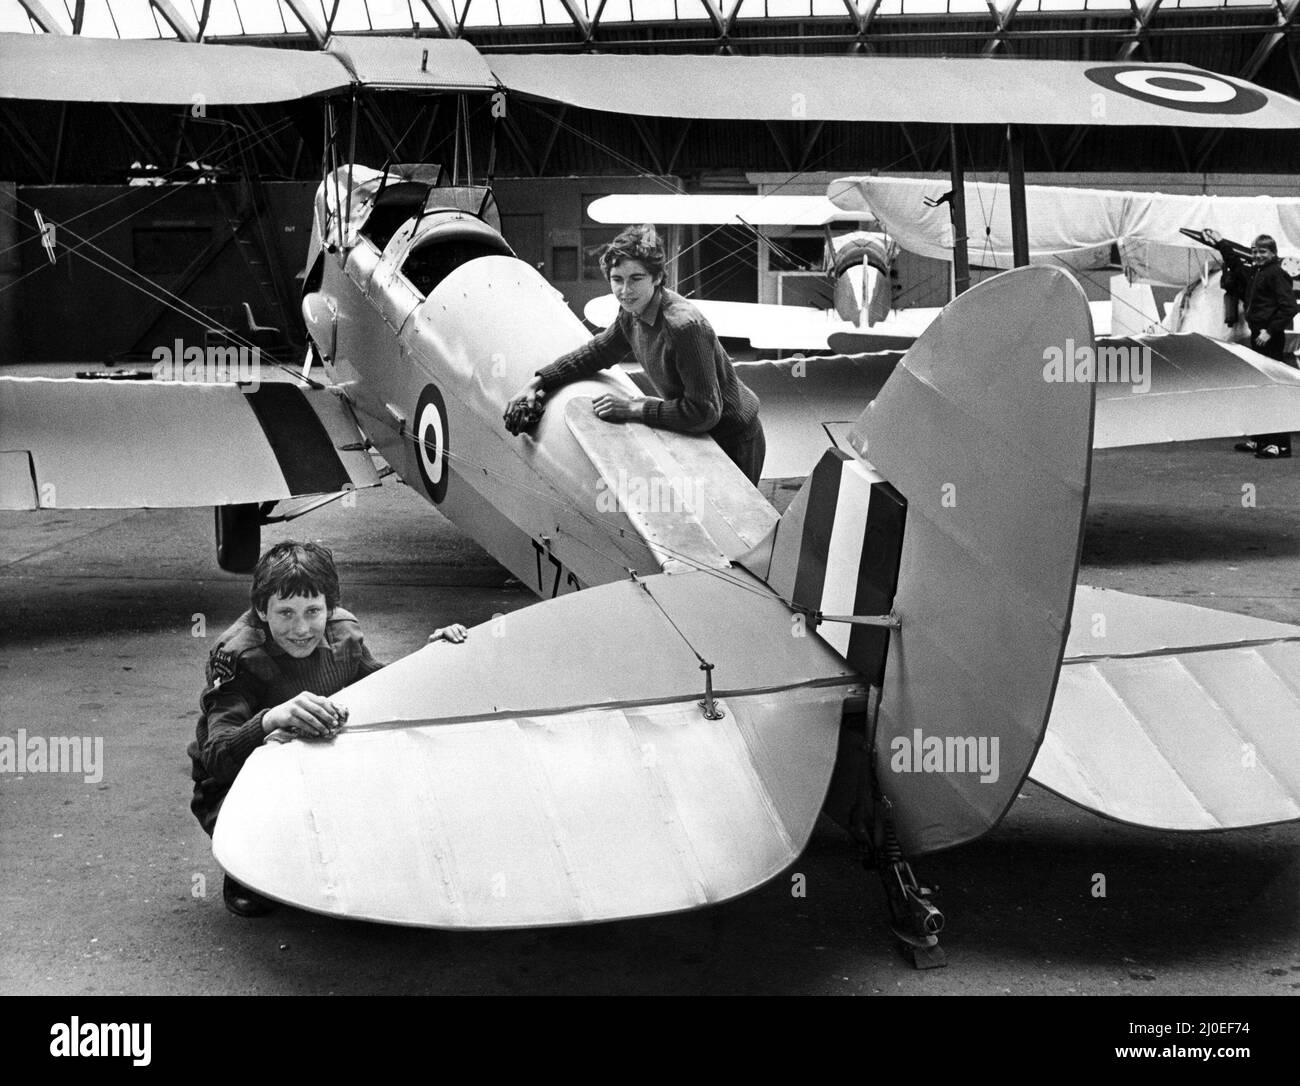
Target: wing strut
point(960, 254)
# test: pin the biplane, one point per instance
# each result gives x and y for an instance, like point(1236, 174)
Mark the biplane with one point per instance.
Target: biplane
point(903, 646)
point(1150, 239)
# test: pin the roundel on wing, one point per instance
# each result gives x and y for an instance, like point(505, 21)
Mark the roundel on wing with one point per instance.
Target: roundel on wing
point(430, 432)
point(1189, 91)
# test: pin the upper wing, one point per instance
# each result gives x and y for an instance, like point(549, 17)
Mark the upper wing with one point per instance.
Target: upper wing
point(821, 88)
point(1076, 227)
point(556, 768)
point(89, 444)
point(719, 209)
point(1174, 716)
point(896, 89)
point(73, 68)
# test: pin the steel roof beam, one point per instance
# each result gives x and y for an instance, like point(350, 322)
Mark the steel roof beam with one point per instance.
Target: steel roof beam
point(315, 31)
point(174, 19)
point(40, 15)
point(446, 22)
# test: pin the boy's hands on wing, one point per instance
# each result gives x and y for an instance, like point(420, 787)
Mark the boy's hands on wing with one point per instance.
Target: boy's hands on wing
point(307, 716)
point(455, 633)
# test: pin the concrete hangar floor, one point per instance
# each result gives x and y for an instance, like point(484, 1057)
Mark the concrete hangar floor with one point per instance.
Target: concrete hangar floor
point(110, 887)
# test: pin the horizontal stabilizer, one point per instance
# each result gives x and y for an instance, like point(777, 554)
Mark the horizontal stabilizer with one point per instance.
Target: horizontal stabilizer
point(90, 444)
point(1175, 717)
point(556, 768)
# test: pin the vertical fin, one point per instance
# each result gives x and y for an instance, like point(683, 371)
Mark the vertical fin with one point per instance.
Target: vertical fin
point(836, 552)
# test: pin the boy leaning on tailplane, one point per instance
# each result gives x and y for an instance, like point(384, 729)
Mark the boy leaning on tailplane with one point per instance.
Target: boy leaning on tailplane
point(274, 672)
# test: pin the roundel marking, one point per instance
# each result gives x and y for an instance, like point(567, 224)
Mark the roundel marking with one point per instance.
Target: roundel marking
point(1188, 91)
point(431, 442)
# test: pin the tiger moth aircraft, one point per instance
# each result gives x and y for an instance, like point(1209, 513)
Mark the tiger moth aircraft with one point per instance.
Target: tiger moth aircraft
point(903, 646)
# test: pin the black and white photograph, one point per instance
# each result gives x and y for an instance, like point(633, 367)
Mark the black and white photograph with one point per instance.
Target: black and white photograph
point(651, 498)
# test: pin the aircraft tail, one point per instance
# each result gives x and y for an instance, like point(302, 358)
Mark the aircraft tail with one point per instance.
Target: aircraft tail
point(987, 460)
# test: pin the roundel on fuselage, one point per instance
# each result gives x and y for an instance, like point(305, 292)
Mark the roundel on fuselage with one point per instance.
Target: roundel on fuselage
point(1189, 91)
point(430, 432)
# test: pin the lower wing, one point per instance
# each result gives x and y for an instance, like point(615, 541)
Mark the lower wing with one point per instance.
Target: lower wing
point(790, 327)
point(1175, 717)
point(1151, 389)
point(95, 444)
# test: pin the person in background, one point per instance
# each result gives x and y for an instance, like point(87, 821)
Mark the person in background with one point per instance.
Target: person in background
point(1268, 299)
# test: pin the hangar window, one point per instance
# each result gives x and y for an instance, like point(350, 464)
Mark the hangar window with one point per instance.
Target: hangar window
point(431, 263)
point(393, 206)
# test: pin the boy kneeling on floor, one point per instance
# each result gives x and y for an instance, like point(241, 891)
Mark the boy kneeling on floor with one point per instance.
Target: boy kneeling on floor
point(275, 670)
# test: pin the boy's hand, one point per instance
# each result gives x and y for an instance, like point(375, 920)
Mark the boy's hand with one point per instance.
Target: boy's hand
point(455, 633)
point(524, 408)
point(308, 715)
point(614, 407)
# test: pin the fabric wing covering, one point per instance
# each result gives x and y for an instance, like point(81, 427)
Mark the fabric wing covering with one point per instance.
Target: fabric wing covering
point(896, 89)
point(70, 68)
point(1153, 389)
point(570, 775)
point(91, 444)
point(386, 63)
point(1072, 226)
point(1175, 717)
point(717, 209)
point(993, 462)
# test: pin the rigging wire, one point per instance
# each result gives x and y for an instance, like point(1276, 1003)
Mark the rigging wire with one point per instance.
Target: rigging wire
point(170, 189)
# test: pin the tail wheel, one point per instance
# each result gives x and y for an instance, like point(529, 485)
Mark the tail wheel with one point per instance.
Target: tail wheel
point(239, 536)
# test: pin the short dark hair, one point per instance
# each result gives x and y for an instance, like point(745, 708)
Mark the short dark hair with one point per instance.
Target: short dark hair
point(1265, 242)
point(295, 569)
point(635, 243)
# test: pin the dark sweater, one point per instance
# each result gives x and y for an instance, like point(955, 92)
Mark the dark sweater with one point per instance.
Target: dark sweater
point(248, 673)
point(677, 348)
point(1265, 291)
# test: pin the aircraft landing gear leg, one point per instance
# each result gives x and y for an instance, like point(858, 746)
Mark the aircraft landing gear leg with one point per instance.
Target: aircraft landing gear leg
point(239, 535)
point(915, 920)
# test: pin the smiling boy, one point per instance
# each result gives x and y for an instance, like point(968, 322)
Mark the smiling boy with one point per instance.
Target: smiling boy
point(699, 391)
point(274, 670)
